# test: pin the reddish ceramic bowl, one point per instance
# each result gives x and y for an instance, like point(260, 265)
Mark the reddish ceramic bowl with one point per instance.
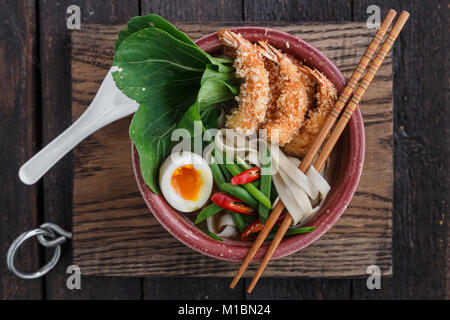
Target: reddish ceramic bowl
point(347, 169)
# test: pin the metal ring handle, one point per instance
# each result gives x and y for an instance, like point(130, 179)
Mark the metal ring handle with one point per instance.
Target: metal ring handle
point(53, 228)
point(46, 235)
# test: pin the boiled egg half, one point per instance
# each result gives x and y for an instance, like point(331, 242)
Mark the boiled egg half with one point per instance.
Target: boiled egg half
point(186, 181)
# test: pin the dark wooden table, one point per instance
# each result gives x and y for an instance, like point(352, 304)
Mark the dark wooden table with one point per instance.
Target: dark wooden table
point(35, 102)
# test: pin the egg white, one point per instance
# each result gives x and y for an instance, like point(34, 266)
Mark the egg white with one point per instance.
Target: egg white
point(176, 160)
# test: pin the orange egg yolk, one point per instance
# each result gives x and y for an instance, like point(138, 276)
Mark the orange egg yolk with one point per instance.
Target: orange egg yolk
point(186, 181)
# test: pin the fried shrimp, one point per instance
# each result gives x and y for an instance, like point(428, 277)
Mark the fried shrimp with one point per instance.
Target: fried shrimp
point(292, 103)
point(254, 91)
point(326, 96)
point(275, 88)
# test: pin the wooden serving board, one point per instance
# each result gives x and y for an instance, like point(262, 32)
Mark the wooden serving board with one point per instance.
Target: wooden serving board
point(115, 234)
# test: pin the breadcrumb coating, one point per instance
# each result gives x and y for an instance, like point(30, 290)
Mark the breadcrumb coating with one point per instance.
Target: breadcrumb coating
point(326, 96)
point(254, 90)
point(291, 105)
point(275, 87)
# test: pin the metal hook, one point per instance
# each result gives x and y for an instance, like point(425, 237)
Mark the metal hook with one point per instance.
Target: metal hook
point(47, 236)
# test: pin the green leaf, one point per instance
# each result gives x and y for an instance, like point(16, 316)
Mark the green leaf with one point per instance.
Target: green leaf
point(163, 70)
point(216, 87)
point(152, 20)
point(189, 118)
point(210, 118)
point(151, 63)
point(150, 131)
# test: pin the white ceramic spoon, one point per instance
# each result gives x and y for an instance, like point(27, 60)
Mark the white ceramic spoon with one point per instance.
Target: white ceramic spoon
point(109, 105)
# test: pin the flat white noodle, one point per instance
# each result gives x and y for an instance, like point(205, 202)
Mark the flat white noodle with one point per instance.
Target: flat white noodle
point(288, 199)
point(224, 146)
point(228, 232)
point(303, 205)
point(318, 180)
point(226, 228)
point(293, 172)
point(292, 192)
point(295, 161)
point(323, 187)
point(276, 202)
point(310, 214)
point(237, 144)
point(253, 158)
point(301, 197)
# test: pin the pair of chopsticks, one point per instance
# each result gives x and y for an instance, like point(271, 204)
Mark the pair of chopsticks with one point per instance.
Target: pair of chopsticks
point(324, 132)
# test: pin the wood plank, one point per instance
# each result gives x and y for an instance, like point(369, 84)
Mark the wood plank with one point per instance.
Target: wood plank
point(57, 116)
point(192, 10)
point(299, 11)
point(19, 111)
point(421, 164)
point(128, 240)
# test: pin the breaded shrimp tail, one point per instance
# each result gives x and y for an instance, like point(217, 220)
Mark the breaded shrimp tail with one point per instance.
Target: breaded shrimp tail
point(326, 96)
point(254, 91)
point(292, 102)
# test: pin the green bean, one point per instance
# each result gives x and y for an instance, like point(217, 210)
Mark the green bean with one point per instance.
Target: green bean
point(218, 176)
point(226, 173)
point(212, 235)
point(241, 163)
point(233, 168)
point(219, 159)
point(291, 232)
point(258, 195)
point(240, 193)
point(248, 219)
point(218, 156)
point(230, 165)
point(251, 188)
point(206, 212)
point(239, 220)
point(266, 183)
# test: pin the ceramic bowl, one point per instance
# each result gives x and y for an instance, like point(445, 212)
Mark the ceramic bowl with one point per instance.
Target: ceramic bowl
point(347, 168)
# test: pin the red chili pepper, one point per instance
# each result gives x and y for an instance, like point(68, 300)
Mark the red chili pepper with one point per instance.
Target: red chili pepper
point(254, 227)
point(246, 176)
point(257, 226)
point(233, 204)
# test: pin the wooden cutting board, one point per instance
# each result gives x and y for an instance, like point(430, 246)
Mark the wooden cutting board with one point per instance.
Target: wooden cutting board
point(115, 233)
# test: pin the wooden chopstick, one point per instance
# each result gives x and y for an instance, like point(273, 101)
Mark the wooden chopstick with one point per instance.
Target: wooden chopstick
point(339, 128)
point(333, 115)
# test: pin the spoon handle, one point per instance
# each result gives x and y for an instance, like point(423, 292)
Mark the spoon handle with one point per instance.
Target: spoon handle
point(109, 105)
